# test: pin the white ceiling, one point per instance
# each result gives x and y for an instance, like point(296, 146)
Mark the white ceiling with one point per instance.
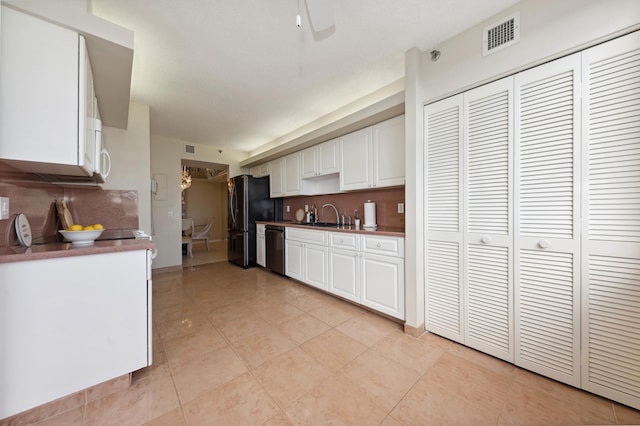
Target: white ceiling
point(239, 73)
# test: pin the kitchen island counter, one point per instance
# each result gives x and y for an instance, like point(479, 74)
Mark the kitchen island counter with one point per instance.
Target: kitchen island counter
point(57, 250)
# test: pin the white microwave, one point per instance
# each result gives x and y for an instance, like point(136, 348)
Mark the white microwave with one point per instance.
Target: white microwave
point(103, 159)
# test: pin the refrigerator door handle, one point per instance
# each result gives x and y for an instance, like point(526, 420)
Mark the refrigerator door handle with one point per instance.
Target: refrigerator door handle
point(234, 203)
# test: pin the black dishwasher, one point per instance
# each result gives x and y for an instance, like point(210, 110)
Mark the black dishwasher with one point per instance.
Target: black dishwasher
point(274, 242)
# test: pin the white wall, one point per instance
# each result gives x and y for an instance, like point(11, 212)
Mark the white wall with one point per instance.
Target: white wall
point(166, 159)
point(131, 167)
point(549, 29)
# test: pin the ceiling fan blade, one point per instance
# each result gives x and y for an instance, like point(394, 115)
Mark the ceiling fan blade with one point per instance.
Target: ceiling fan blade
point(321, 14)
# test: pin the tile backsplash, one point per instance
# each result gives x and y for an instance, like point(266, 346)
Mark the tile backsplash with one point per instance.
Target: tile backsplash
point(114, 209)
point(386, 205)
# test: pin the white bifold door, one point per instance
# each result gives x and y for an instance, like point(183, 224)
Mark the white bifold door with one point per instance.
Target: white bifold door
point(469, 218)
point(502, 203)
point(532, 210)
point(547, 243)
point(443, 208)
point(611, 220)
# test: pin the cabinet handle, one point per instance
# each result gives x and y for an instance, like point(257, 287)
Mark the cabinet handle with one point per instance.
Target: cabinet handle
point(485, 239)
point(544, 244)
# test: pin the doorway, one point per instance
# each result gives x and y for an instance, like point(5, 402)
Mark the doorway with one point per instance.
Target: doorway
point(204, 198)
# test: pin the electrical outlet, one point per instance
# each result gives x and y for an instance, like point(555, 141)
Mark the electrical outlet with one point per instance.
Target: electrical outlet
point(288, 209)
point(4, 208)
point(306, 208)
point(400, 208)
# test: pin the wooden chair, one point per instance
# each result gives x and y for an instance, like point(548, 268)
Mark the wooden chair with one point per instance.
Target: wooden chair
point(203, 234)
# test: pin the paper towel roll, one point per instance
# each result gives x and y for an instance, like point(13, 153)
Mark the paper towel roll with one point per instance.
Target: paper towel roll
point(370, 214)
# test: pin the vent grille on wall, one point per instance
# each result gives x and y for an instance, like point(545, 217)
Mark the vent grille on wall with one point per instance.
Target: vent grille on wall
point(501, 34)
point(189, 149)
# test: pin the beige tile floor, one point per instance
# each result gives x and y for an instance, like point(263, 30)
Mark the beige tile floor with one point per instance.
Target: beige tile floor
point(200, 255)
point(243, 347)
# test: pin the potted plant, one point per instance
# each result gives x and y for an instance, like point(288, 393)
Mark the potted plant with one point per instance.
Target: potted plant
point(356, 218)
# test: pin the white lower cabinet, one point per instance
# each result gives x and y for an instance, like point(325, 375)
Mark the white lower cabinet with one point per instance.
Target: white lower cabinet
point(383, 284)
point(260, 245)
point(70, 323)
point(306, 256)
point(368, 270)
point(344, 266)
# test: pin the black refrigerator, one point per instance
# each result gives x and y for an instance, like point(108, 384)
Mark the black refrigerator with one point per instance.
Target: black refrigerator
point(249, 202)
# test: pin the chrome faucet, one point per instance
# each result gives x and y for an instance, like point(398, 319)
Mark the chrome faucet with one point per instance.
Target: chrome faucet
point(335, 209)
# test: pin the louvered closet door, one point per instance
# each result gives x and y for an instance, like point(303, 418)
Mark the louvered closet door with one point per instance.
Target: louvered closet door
point(488, 238)
point(611, 224)
point(443, 204)
point(547, 229)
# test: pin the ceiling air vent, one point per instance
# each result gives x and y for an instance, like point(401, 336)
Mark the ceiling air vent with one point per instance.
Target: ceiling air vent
point(189, 149)
point(501, 34)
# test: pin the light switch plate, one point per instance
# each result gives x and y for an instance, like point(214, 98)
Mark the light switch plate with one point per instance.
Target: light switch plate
point(400, 207)
point(4, 208)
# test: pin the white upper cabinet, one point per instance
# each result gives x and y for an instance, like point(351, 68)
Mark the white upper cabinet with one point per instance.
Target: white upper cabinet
point(46, 101)
point(388, 152)
point(373, 157)
point(285, 176)
point(276, 181)
point(292, 178)
point(320, 160)
point(356, 160)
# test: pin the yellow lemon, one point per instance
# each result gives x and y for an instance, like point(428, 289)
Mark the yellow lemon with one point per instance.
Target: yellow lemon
point(98, 226)
point(88, 228)
point(75, 227)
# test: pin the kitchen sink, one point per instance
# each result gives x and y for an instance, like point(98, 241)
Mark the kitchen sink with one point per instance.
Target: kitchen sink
point(321, 224)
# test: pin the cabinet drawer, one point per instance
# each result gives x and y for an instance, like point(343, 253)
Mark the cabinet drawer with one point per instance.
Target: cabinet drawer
point(306, 235)
point(344, 240)
point(390, 246)
point(260, 228)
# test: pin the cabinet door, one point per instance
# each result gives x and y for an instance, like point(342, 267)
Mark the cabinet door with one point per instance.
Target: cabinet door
point(547, 194)
point(356, 160)
point(276, 181)
point(488, 273)
point(344, 274)
point(383, 284)
point(88, 111)
point(92, 325)
point(316, 265)
point(443, 205)
point(610, 220)
point(328, 157)
point(309, 162)
point(39, 91)
point(293, 260)
point(388, 153)
point(292, 178)
point(260, 250)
